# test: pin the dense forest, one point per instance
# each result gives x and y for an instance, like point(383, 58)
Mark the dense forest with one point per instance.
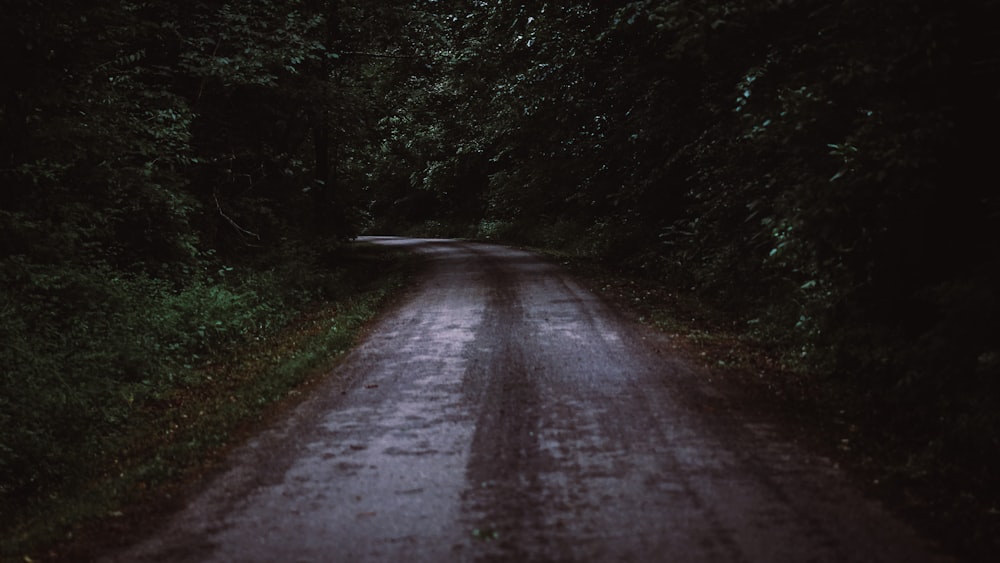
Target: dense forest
point(181, 178)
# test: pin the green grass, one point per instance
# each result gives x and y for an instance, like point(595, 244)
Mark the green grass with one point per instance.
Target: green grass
point(177, 432)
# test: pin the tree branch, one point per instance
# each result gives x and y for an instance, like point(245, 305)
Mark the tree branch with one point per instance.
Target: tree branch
point(378, 55)
point(239, 229)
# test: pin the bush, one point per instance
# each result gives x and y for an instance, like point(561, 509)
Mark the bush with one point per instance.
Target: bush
point(82, 346)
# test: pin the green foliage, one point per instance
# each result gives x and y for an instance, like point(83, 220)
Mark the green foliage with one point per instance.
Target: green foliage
point(178, 179)
point(83, 347)
point(257, 44)
point(159, 379)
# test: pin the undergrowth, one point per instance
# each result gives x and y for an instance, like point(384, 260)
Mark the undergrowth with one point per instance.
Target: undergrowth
point(121, 398)
point(933, 485)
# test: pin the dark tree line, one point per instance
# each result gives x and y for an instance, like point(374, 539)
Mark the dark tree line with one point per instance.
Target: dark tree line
point(176, 179)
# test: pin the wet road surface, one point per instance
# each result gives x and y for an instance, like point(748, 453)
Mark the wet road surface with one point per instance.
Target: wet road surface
point(504, 413)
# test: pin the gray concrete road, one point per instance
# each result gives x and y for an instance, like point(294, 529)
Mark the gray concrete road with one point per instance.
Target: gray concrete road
point(503, 413)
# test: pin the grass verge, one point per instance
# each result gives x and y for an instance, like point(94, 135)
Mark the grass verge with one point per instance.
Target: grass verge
point(173, 438)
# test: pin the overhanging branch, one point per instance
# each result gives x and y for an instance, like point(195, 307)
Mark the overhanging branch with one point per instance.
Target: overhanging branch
point(377, 55)
point(239, 229)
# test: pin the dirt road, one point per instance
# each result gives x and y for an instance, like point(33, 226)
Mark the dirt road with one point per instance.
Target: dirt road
point(503, 413)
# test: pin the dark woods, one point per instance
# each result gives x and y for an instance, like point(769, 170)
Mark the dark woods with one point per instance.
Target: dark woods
point(820, 170)
point(176, 180)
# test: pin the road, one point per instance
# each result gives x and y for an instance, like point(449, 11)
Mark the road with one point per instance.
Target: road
point(502, 412)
